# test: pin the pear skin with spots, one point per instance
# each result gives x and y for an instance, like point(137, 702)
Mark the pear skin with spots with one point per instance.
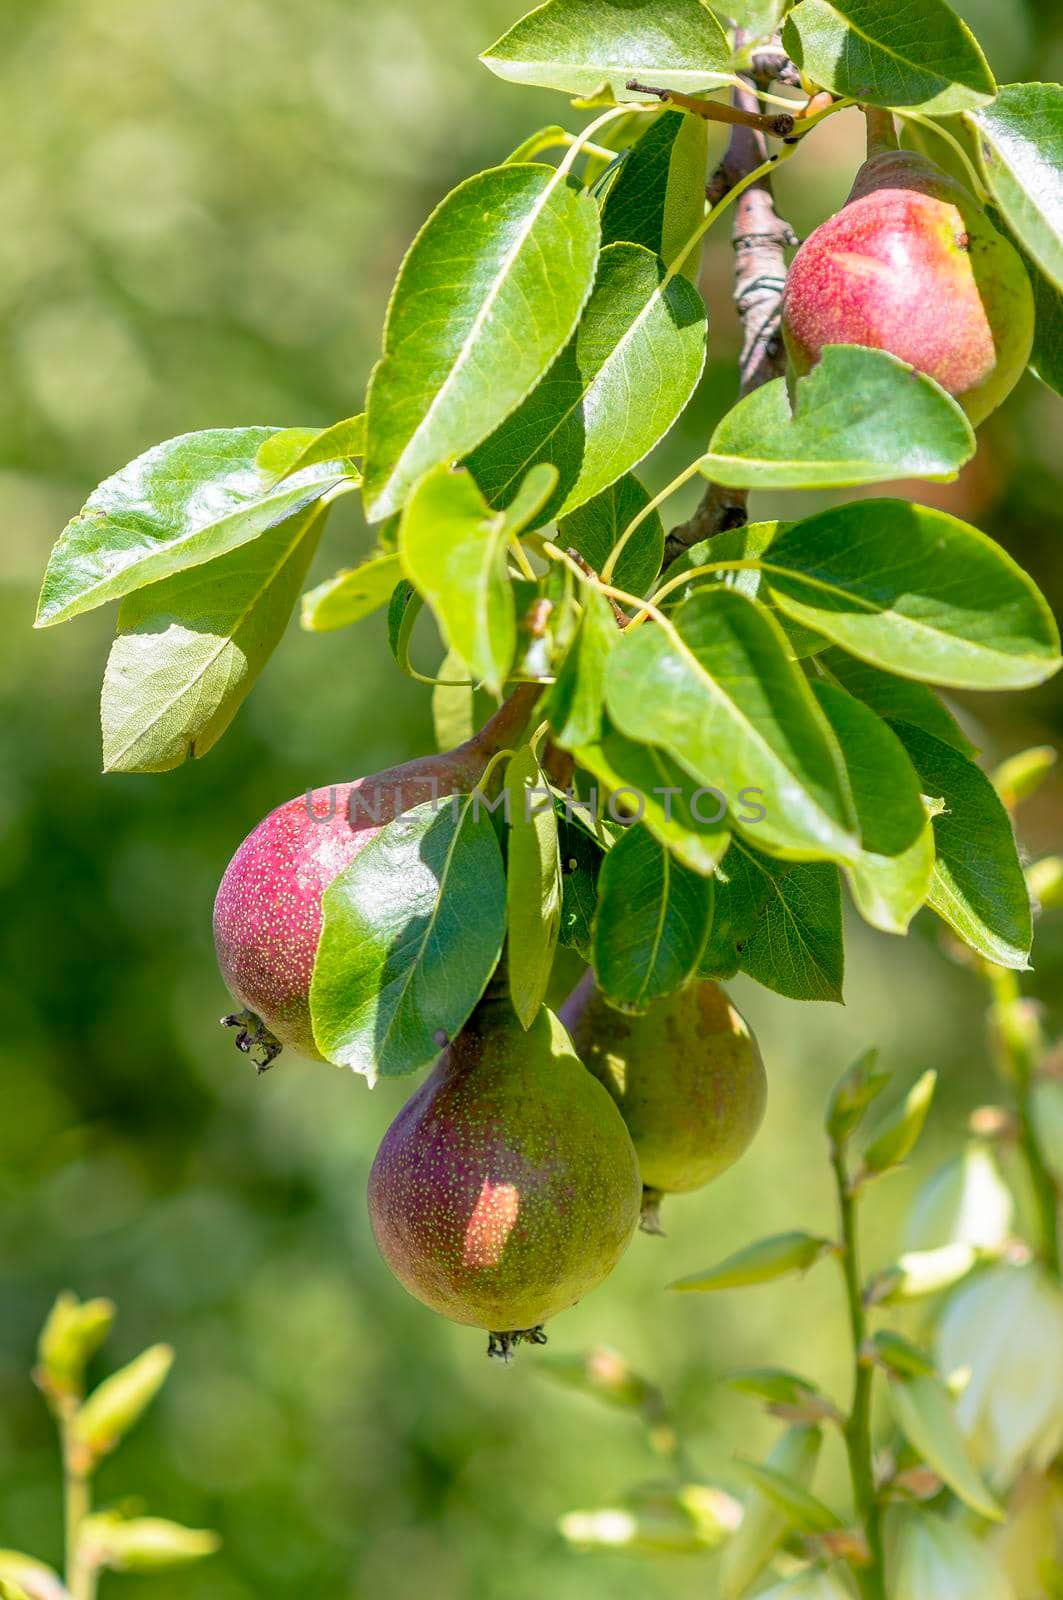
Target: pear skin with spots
point(267, 914)
point(912, 265)
point(687, 1076)
point(507, 1188)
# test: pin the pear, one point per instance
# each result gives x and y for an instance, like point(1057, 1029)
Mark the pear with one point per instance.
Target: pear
point(507, 1187)
point(267, 914)
point(687, 1076)
point(911, 264)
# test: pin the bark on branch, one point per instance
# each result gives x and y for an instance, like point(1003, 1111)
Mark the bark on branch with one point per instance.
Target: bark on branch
point(760, 238)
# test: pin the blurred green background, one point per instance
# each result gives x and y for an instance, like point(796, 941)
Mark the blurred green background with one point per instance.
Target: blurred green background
point(203, 205)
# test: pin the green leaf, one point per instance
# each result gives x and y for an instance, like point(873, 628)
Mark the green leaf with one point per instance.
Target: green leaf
point(73, 1331)
point(485, 300)
point(758, 18)
point(293, 449)
point(552, 136)
point(652, 922)
point(658, 199)
point(619, 385)
point(780, 922)
point(1022, 774)
point(145, 1544)
point(926, 58)
point(350, 595)
point(719, 693)
point(774, 1385)
point(897, 1138)
point(453, 704)
point(594, 528)
point(404, 607)
point(583, 46)
point(188, 501)
point(798, 1507)
point(454, 549)
point(945, 1559)
point(901, 699)
point(860, 416)
point(581, 861)
point(978, 886)
point(736, 555)
point(927, 1418)
point(857, 1089)
point(923, 1272)
point(190, 649)
point(533, 885)
point(574, 703)
point(915, 592)
point(763, 1529)
point(900, 1356)
point(1020, 141)
point(412, 930)
point(657, 1519)
point(1046, 358)
point(891, 878)
point(763, 1262)
point(665, 799)
point(23, 1577)
point(119, 1402)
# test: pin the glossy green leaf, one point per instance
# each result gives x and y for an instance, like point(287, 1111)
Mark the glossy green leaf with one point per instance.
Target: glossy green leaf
point(900, 1356)
point(927, 1418)
point(594, 528)
point(188, 501)
point(190, 649)
point(412, 931)
point(581, 862)
point(916, 592)
point(404, 608)
point(652, 922)
point(978, 886)
point(293, 449)
point(799, 1508)
point(736, 554)
point(780, 922)
point(619, 385)
point(485, 300)
point(574, 702)
point(763, 1528)
point(857, 1089)
point(926, 58)
point(454, 550)
point(533, 878)
point(552, 137)
point(720, 694)
point(690, 823)
point(658, 198)
point(897, 1137)
point(453, 703)
point(1020, 141)
point(890, 879)
point(903, 699)
point(860, 416)
point(763, 1262)
point(583, 46)
point(1046, 358)
point(350, 595)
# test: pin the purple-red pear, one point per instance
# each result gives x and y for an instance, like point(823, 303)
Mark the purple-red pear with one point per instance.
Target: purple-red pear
point(507, 1187)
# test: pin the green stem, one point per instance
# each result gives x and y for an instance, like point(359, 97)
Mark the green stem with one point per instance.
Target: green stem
point(77, 1503)
point(871, 1579)
point(881, 133)
point(1022, 1057)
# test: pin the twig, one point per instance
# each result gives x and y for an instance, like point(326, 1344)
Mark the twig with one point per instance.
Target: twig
point(761, 237)
point(871, 1578)
point(780, 124)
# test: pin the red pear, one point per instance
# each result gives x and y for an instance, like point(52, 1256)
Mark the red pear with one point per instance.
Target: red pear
point(687, 1076)
point(911, 264)
point(507, 1187)
point(267, 915)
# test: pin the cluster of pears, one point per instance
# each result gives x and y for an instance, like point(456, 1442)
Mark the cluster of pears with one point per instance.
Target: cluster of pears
point(513, 1180)
point(912, 265)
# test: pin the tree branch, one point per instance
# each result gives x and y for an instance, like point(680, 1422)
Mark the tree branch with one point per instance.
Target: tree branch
point(760, 238)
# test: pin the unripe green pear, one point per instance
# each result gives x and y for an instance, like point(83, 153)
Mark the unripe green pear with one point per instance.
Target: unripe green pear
point(267, 915)
point(911, 264)
point(687, 1076)
point(507, 1187)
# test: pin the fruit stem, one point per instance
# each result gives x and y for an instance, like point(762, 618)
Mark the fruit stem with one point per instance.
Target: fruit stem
point(509, 721)
point(881, 133)
point(871, 1579)
point(650, 1220)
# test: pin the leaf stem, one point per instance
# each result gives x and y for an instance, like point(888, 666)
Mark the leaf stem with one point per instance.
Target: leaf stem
point(872, 1578)
point(647, 511)
point(580, 140)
